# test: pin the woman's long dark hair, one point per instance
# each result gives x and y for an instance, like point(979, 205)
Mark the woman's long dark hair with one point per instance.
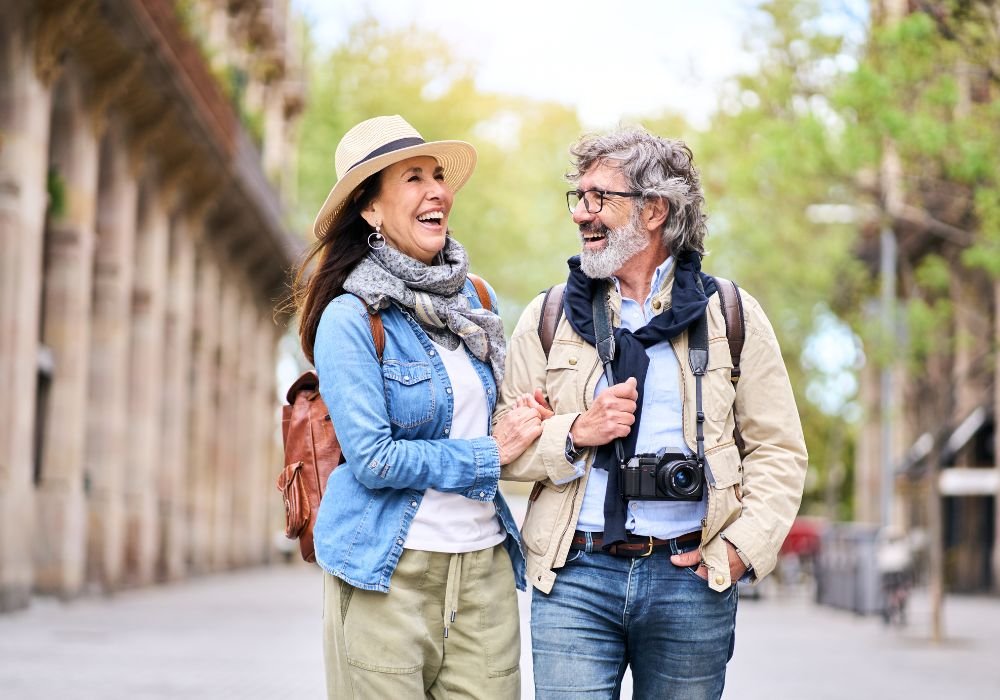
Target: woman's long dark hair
point(335, 254)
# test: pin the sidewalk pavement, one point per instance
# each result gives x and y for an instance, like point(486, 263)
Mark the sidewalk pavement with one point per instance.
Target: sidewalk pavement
point(256, 634)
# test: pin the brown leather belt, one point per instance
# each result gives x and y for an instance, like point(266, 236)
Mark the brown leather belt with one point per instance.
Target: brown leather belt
point(636, 546)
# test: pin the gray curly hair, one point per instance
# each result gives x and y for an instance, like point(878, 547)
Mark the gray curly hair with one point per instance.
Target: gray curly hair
point(656, 167)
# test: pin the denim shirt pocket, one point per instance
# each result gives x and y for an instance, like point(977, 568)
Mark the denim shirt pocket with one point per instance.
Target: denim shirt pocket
point(409, 392)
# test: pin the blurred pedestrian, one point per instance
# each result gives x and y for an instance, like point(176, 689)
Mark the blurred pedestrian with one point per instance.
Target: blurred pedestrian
point(634, 556)
point(419, 549)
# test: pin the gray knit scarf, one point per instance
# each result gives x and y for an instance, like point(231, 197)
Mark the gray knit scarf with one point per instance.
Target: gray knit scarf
point(434, 294)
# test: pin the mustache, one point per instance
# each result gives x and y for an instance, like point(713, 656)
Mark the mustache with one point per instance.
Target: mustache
point(594, 227)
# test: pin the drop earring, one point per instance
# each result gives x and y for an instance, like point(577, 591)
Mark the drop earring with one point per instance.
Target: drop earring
point(376, 240)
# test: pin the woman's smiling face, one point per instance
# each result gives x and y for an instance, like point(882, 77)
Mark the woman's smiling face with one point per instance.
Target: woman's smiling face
point(412, 207)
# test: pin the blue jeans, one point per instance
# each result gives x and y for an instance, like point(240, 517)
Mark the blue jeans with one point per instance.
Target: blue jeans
point(605, 613)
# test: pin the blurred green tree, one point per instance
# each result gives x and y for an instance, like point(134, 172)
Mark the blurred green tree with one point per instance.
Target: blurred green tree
point(770, 154)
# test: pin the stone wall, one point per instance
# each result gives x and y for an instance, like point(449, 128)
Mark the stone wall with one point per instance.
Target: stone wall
point(142, 250)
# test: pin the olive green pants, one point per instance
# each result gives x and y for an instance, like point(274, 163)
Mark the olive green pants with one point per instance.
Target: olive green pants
point(448, 628)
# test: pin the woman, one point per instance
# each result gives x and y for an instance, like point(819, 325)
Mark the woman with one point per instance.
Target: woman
point(420, 551)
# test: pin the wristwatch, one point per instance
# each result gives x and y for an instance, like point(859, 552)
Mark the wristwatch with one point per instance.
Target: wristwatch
point(572, 453)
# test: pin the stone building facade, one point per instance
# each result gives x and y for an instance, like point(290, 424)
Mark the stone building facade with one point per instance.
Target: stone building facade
point(142, 250)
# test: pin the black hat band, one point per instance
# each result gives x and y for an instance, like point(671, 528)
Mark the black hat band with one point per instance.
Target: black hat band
point(396, 145)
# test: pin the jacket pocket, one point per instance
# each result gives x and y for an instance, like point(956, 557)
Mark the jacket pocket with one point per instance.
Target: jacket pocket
point(724, 499)
point(719, 392)
point(562, 373)
point(409, 392)
point(725, 466)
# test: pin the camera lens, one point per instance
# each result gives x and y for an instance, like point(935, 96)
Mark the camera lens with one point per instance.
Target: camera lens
point(682, 479)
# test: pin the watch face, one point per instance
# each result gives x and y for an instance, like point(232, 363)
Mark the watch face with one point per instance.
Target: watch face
point(571, 452)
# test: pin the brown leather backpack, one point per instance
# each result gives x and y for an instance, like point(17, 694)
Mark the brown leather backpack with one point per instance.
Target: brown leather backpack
point(312, 450)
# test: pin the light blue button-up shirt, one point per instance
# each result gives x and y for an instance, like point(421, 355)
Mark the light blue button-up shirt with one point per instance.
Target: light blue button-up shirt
point(659, 426)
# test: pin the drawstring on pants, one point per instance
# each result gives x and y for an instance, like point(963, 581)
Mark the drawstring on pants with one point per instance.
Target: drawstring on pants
point(452, 590)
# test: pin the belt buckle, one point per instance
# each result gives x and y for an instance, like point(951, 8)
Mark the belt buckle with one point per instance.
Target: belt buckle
point(650, 550)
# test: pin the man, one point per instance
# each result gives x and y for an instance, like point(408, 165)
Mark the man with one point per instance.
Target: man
point(623, 579)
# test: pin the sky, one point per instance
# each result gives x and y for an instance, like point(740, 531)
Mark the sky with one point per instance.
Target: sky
point(611, 59)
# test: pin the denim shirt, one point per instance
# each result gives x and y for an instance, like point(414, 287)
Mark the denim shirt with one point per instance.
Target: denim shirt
point(392, 421)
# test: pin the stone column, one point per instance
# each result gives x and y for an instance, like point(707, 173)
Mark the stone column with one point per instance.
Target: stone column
point(145, 386)
point(172, 488)
point(246, 477)
point(24, 124)
point(204, 397)
point(229, 437)
point(60, 542)
point(270, 518)
point(108, 385)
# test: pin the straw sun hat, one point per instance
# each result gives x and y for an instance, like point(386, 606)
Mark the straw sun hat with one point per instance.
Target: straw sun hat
point(378, 143)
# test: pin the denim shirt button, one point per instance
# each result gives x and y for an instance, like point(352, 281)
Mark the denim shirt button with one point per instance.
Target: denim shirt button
point(399, 541)
point(431, 353)
point(482, 494)
point(413, 504)
point(448, 390)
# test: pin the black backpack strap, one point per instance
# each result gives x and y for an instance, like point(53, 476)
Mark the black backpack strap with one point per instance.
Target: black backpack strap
point(552, 311)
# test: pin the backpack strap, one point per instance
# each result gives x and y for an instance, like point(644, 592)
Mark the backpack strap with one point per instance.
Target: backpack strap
point(378, 330)
point(732, 312)
point(482, 290)
point(378, 333)
point(736, 331)
point(552, 311)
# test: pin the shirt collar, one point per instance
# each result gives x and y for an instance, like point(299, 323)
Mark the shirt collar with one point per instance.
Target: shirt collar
point(661, 271)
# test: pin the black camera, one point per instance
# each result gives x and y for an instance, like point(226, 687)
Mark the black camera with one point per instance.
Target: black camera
point(668, 475)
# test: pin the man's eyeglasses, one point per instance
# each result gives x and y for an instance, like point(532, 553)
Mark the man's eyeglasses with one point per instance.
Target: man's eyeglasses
point(593, 200)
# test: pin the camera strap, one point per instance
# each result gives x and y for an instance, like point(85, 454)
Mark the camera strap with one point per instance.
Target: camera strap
point(698, 359)
point(605, 337)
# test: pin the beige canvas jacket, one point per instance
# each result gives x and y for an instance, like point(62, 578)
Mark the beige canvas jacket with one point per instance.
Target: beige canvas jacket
point(751, 500)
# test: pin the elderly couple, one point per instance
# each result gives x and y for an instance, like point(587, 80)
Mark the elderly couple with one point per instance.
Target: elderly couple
point(633, 560)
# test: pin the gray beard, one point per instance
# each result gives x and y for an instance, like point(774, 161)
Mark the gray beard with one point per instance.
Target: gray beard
point(622, 244)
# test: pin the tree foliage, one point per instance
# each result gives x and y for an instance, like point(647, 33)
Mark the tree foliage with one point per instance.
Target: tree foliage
point(770, 154)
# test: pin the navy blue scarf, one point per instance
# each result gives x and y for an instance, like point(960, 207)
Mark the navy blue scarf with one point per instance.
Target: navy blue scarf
point(688, 304)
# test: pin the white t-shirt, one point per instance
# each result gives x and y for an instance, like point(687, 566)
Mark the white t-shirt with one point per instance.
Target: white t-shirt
point(450, 522)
